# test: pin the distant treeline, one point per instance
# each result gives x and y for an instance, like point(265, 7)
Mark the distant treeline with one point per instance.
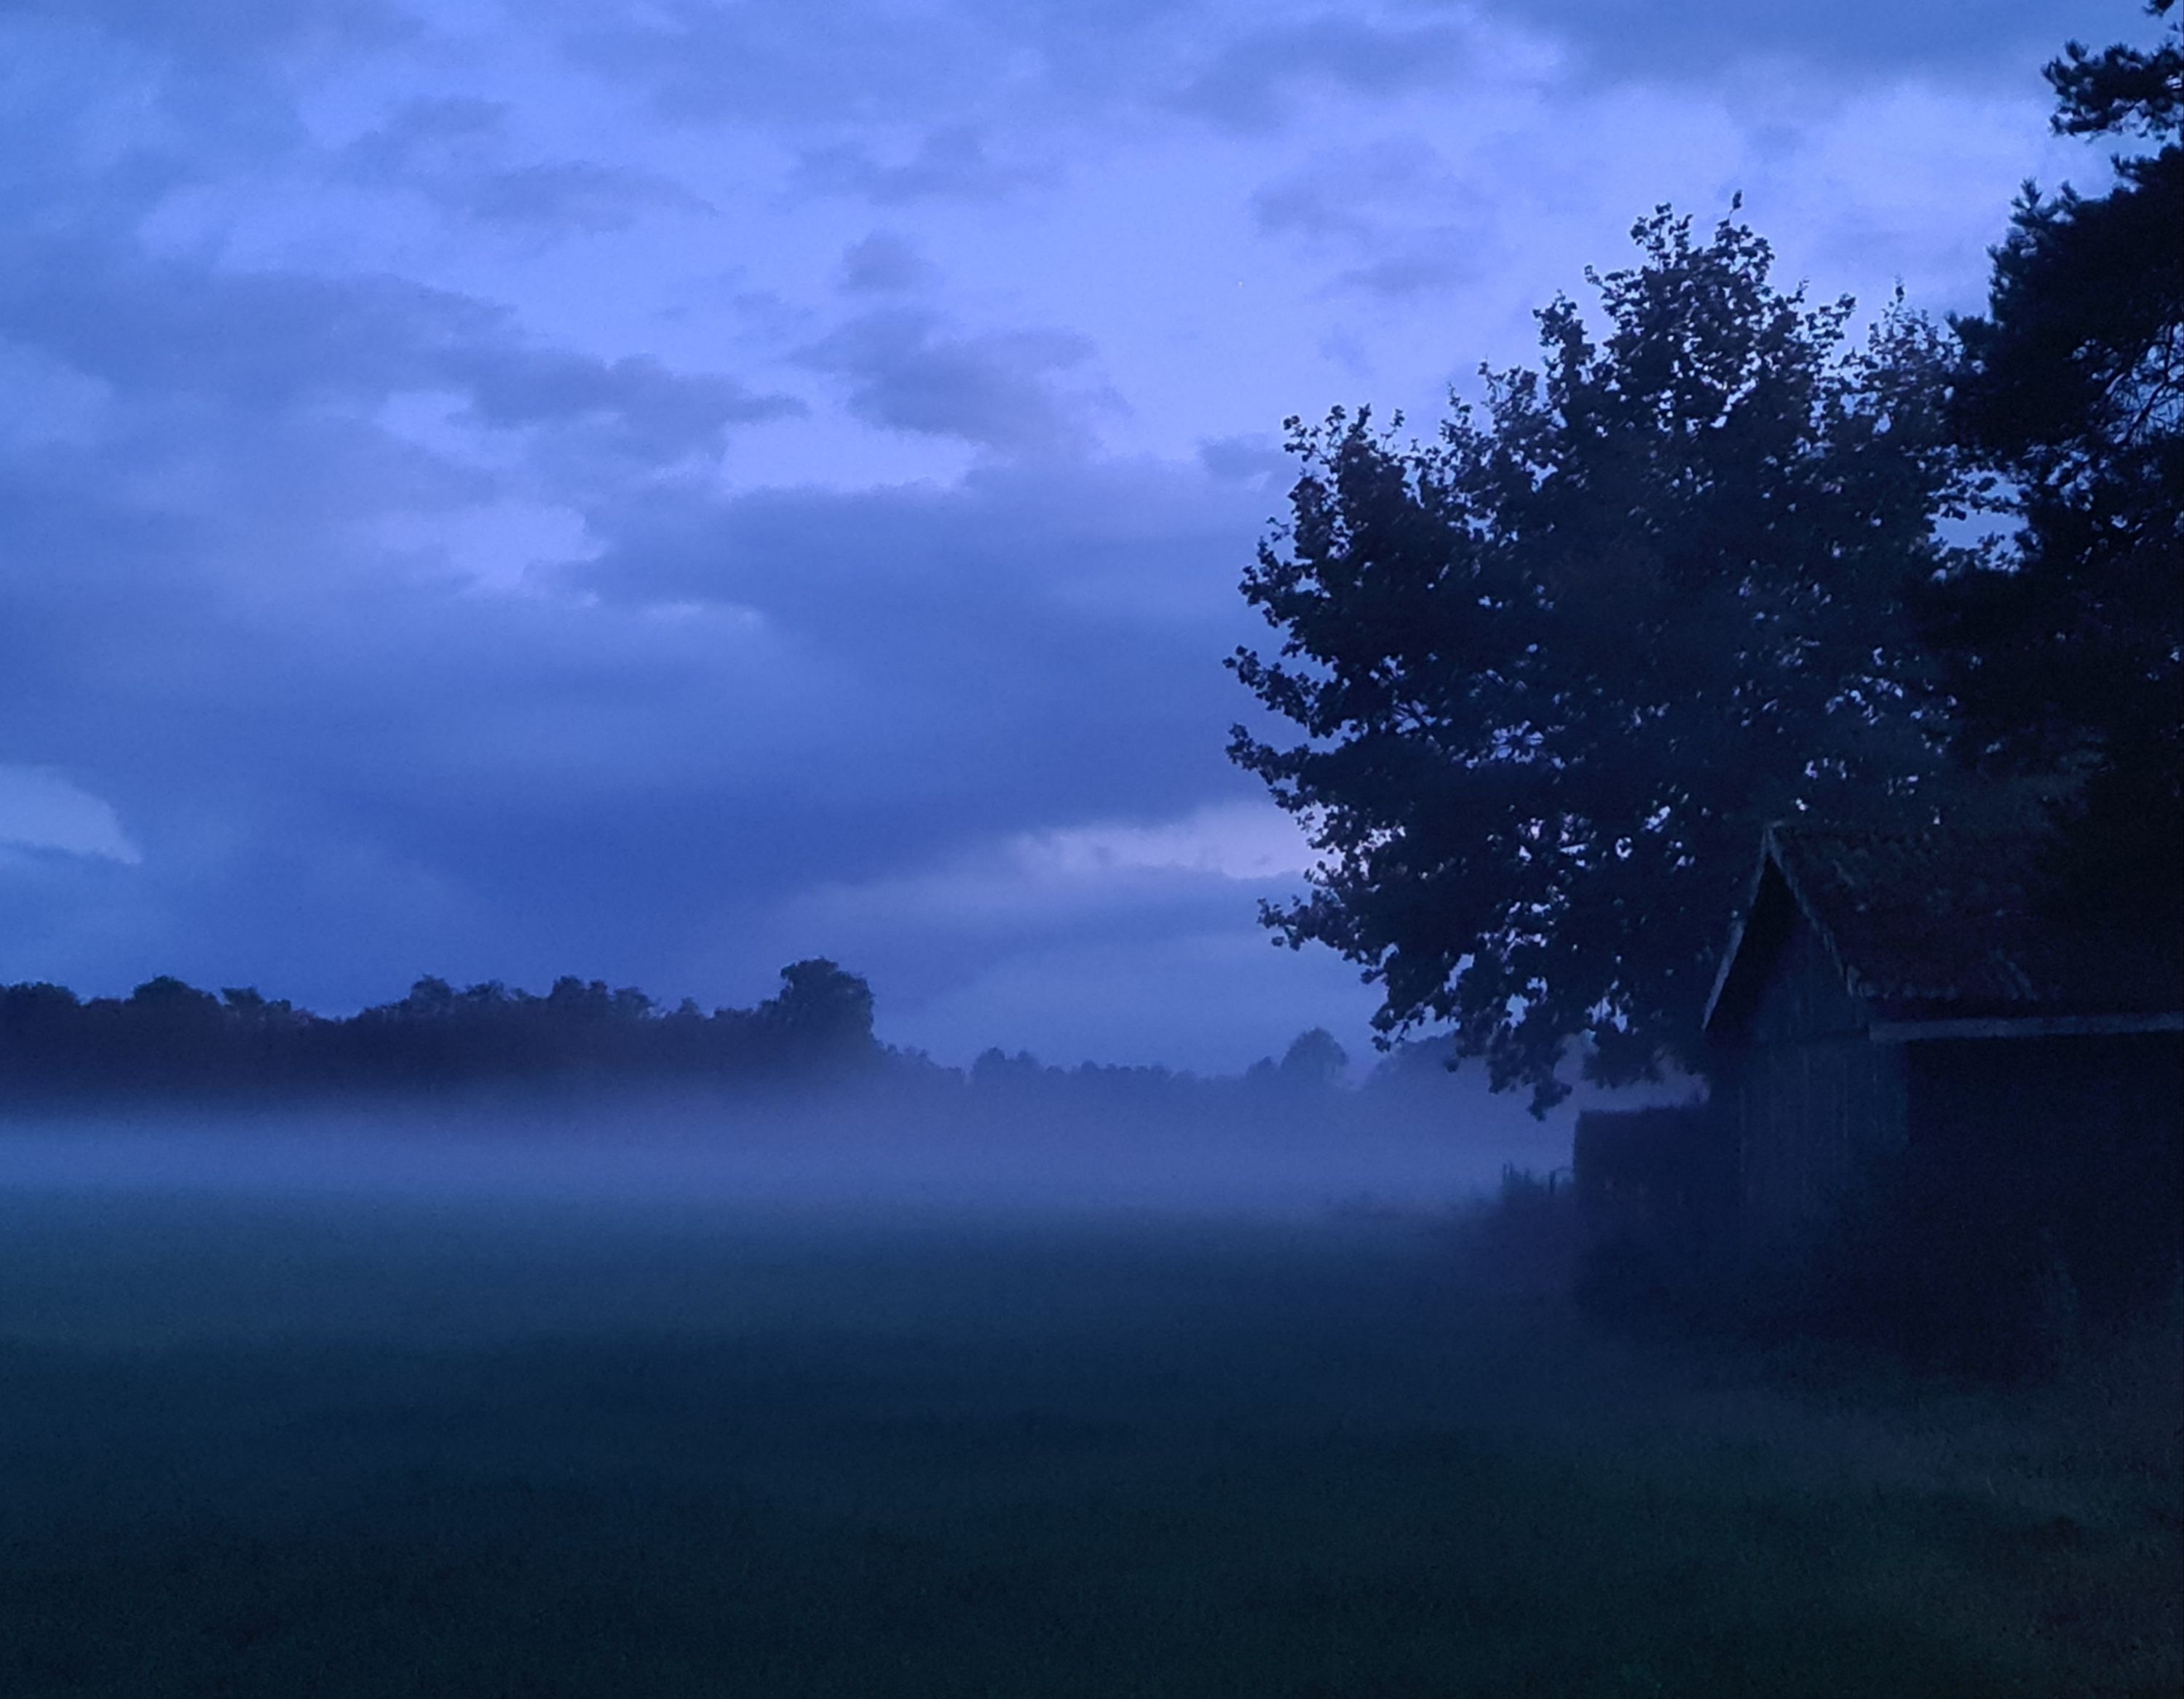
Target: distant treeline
point(167, 1037)
point(170, 1040)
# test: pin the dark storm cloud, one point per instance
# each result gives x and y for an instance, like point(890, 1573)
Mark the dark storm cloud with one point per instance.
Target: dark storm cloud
point(343, 769)
point(1039, 644)
point(256, 340)
point(773, 695)
point(331, 796)
point(329, 750)
point(907, 371)
point(144, 672)
point(267, 341)
point(84, 577)
point(404, 631)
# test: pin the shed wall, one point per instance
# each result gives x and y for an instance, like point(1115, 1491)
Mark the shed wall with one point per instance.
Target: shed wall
point(2077, 1140)
point(1812, 1096)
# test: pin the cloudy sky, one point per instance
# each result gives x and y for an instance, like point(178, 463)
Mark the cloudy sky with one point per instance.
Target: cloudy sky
point(655, 490)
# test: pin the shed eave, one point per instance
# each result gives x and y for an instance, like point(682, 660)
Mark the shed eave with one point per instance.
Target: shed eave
point(1721, 975)
point(1738, 928)
point(2024, 1027)
point(1771, 855)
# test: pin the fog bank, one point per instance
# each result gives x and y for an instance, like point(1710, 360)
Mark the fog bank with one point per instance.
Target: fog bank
point(807, 1156)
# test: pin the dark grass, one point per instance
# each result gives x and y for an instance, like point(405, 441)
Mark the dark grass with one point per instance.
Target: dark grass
point(288, 1450)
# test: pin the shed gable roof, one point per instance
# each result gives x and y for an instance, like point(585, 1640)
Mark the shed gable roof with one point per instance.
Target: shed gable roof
point(1932, 925)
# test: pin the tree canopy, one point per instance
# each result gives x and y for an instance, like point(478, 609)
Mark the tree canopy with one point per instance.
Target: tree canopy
point(1554, 670)
point(2063, 650)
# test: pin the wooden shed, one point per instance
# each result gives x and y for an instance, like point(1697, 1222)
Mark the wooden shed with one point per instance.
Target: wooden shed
point(1894, 989)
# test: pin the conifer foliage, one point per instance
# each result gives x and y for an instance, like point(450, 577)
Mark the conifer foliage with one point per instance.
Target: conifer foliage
point(2063, 650)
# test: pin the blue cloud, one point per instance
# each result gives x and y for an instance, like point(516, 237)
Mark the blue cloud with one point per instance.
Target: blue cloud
point(950, 163)
point(452, 150)
point(1989, 41)
point(1255, 78)
point(884, 264)
point(906, 371)
point(298, 405)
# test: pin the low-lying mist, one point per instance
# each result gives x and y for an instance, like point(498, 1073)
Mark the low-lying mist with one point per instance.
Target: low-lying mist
point(800, 1215)
point(829, 1394)
point(826, 1151)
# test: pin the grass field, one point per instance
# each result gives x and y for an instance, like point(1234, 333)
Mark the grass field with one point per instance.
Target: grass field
point(297, 1448)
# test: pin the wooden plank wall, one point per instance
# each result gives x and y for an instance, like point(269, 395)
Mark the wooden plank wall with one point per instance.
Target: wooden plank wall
point(1813, 1095)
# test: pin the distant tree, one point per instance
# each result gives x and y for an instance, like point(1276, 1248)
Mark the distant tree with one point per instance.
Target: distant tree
point(995, 1068)
point(169, 1032)
point(172, 999)
point(43, 1039)
point(1554, 670)
point(429, 998)
point(2064, 650)
point(1315, 1060)
point(821, 1010)
point(37, 1001)
point(577, 999)
point(169, 1036)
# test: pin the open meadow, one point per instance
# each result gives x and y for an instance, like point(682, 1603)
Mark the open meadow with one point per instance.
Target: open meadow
point(310, 1445)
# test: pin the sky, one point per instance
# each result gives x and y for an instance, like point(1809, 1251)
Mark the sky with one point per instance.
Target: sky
point(657, 491)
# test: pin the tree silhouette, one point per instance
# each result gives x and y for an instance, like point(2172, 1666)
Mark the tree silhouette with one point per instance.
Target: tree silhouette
point(168, 1038)
point(1314, 1060)
point(2064, 651)
point(1553, 670)
point(821, 1010)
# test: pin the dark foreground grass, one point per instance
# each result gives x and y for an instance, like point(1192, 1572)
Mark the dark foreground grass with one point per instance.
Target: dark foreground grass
point(324, 1453)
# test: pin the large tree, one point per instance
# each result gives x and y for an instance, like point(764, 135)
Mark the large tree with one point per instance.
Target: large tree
point(1554, 670)
point(2064, 647)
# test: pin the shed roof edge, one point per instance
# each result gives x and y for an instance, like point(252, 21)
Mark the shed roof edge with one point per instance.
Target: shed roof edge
point(1771, 854)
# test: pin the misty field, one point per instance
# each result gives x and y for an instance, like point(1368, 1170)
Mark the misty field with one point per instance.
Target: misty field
point(297, 1446)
